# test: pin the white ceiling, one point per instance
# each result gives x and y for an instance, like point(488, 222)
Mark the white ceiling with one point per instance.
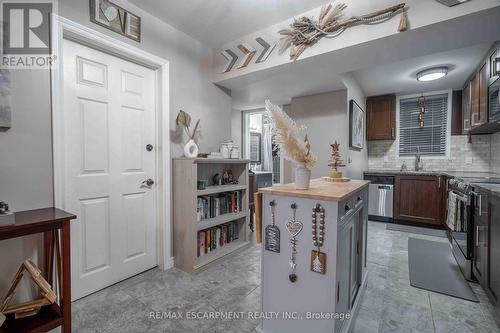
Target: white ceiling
point(401, 77)
point(216, 22)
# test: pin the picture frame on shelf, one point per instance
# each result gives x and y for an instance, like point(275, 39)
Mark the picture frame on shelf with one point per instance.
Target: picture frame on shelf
point(356, 126)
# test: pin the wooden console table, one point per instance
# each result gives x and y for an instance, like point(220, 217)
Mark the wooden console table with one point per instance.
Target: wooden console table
point(55, 226)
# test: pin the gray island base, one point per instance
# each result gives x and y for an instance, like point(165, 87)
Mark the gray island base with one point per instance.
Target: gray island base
point(315, 302)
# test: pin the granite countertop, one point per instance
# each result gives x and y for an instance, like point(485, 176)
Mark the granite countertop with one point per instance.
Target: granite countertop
point(451, 174)
point(319, 189)
point(492, 188)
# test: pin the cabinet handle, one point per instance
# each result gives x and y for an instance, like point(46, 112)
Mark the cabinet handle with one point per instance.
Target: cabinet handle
point(338, 291)
point(392, 132)
point(477, 235)
point(439, 181)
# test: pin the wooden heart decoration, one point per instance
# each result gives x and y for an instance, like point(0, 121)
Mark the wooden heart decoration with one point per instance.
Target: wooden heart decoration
point(294, 227)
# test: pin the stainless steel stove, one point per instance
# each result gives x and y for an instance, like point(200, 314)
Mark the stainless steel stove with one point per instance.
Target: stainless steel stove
point(460, 222)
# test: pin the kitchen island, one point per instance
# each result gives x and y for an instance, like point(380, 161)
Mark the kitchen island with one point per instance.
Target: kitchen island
point(313, 282)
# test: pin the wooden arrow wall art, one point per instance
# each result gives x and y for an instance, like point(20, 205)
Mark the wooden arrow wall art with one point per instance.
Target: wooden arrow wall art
point(231, 60)
point(248, 52)
point(267, 49)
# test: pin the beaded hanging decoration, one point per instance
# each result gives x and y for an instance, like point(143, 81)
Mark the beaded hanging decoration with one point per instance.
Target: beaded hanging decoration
point(272, 234)
point(318, 258)
point(294, 228)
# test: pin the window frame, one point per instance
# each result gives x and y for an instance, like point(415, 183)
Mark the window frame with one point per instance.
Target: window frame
point(448, 124)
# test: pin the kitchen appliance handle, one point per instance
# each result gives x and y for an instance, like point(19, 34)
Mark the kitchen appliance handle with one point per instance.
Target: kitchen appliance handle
point(479, 202)
point(477, 235)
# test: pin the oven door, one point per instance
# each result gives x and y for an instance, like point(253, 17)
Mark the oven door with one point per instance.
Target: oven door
point(461, 231)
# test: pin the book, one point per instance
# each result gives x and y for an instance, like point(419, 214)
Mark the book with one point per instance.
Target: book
point(201, 243)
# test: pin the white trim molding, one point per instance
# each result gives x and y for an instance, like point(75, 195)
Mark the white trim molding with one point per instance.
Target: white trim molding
point(66, 29)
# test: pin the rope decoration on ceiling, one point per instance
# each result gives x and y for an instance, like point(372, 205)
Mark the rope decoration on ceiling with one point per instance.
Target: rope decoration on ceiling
point(305, 32)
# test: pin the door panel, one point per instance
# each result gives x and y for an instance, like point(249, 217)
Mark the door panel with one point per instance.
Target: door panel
point(419, 199)
point(109, 119)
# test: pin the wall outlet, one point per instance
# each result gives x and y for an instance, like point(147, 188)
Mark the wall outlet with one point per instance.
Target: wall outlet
point(386, 158)
point(469, 160)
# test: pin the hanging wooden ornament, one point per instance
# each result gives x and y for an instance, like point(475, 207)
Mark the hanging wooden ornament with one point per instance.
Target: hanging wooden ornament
point(294, 228)
point(318, 258)
point(272, 241)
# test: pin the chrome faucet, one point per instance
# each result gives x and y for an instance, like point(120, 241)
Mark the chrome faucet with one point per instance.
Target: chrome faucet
point(417, 160)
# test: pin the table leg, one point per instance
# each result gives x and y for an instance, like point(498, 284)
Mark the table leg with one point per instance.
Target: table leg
point(48, 256)
point(66, 278)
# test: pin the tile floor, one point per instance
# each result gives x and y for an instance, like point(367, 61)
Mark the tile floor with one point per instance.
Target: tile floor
point(390, 304)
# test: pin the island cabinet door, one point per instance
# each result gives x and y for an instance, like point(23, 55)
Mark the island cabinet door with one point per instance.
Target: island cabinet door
point(345, 256)
point(355, 259)
point(419, 199)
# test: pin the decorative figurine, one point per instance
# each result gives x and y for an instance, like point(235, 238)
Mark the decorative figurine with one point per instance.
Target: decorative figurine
point(272, 235)
point(335, 162)
point(318, 258)
point(294, 228)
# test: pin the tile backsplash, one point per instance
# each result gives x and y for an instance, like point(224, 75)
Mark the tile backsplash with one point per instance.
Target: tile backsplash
point(483, 154)
point(495, 153)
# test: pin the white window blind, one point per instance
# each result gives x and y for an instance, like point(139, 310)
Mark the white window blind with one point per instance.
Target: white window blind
point(430, 139)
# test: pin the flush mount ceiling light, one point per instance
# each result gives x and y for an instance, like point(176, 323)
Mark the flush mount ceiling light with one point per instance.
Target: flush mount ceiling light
point(432, 74)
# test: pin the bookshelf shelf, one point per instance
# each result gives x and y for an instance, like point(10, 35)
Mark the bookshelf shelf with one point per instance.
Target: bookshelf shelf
point(186, 173)
point(229, 248)
point(208, 223)
point(221, 189)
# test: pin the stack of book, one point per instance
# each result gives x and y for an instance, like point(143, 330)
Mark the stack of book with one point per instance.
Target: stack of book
point(212, 238)
point(210, 206)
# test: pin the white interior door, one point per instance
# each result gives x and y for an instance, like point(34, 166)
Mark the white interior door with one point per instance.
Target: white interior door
point(109, 119)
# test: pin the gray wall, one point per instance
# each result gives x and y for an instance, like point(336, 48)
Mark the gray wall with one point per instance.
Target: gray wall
point(25, 150)
point(325, 116)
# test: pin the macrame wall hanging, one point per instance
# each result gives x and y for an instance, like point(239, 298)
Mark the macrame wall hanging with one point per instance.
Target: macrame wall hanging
point(305, 32)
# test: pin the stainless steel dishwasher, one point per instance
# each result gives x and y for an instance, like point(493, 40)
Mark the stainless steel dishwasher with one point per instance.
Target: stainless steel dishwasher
point(381, 197)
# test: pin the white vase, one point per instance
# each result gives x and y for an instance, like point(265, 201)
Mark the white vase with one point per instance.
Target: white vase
point(191, 149)
point(302, 177)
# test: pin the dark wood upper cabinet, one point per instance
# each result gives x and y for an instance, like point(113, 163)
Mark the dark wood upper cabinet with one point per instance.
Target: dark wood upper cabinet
point(456, 114)
point(466, 107)
point(484, 79)
point(381, 117)
point(474, 101)
point(419, 199)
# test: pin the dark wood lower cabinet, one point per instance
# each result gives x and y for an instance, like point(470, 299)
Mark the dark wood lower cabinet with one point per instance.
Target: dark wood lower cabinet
point(486, 260)
point(420, 199)
point(493, 272)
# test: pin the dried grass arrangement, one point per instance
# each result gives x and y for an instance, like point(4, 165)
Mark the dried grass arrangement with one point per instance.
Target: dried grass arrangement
point(287, 135)
point(305, 32)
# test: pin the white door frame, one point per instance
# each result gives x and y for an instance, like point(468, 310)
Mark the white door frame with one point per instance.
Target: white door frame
point(66, 29)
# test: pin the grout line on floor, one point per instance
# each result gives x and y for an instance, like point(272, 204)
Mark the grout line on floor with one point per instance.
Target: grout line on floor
point(432, 314)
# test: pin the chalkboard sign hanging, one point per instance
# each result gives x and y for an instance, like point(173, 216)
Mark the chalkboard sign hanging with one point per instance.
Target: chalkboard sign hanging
point(272, 233)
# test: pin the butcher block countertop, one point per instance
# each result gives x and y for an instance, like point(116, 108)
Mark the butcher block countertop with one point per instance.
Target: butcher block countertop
point(319, 189)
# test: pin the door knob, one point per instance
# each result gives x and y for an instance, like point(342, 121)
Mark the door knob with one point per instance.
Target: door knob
point(148, 182)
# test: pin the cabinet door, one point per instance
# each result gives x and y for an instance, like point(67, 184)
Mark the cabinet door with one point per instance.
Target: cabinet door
point(474, 98)
point(466, 106)
point(483, 94)
point(419, 199)
point(480, 236)
point(493, 259)
point(344, 250)
point(355, 259)
point(381, 117)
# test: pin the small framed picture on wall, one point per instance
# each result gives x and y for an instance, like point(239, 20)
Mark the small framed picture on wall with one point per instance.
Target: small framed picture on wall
point(356, 125)
point(115, 18)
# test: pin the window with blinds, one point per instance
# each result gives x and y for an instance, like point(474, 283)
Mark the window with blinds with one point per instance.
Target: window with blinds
point(431, 139)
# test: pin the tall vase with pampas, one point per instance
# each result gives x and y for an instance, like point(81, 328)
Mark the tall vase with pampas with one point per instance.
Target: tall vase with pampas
point(287, 135)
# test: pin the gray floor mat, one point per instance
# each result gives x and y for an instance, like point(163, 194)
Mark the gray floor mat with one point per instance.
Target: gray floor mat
point(416, 230)
point(433, 267)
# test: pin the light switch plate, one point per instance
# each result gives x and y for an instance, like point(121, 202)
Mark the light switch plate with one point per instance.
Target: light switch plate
point(469, 160)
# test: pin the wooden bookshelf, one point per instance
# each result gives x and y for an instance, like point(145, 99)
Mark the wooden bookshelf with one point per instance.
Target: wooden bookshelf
point(186, 173)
